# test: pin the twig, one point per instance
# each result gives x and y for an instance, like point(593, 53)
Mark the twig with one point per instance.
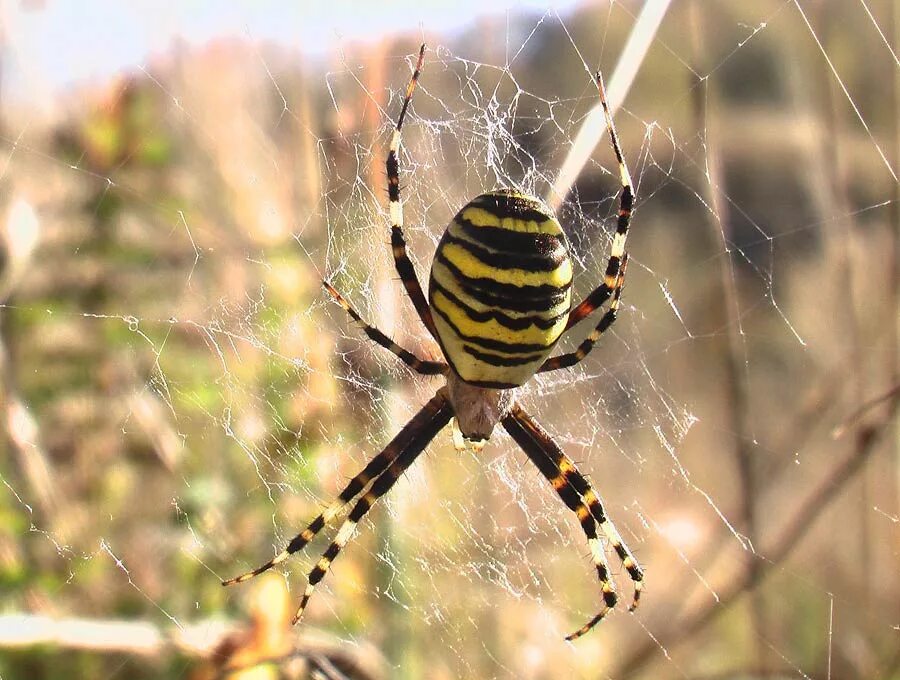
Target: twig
point(751, 674)
point(323, 669)
point(736, 391)
point(794, 437)
point(322, 665)
point(109, 635)
point(851, 420)
point(809, 510)
point(146, 639)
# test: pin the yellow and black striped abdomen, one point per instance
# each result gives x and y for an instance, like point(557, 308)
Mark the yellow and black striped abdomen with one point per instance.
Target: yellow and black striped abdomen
point(500, 289)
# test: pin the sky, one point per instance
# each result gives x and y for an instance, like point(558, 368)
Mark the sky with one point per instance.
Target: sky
point(50, 45)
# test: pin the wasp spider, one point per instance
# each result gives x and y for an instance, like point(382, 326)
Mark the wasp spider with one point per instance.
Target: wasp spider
point(500, 297)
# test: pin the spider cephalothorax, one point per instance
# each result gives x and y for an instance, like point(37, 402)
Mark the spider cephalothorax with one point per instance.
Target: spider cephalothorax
point(499, 299)
point(477, 409)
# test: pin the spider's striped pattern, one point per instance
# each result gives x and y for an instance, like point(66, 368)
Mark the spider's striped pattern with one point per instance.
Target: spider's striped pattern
point(500, 297)
point(500, 288)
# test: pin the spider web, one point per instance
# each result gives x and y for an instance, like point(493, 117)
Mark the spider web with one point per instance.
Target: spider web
point(181, 397)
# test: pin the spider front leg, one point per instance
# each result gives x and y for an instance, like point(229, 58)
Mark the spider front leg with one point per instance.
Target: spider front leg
point(578, 495)
point(398, 244)
point(425, 432)
point(626, 204)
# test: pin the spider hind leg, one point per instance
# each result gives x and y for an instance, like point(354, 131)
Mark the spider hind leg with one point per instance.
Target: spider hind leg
point(409, 437)
point(438, 416)
point(578, 495)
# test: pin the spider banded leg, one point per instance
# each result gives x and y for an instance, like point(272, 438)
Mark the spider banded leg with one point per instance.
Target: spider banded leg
point(582, 486)
point(418, 365)
point(410, 434)
point(607, 320)
point(626, 204)
point(550, 467)
point(398, 243)
point(423, 434)
point(579, 483)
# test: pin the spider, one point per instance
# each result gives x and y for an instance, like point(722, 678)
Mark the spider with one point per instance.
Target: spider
point(500, 298)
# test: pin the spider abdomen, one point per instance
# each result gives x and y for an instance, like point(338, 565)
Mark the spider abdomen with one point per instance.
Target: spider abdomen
point(500, 288)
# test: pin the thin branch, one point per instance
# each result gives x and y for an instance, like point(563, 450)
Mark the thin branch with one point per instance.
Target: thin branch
point(321, 666)
point(809, 510)
point(146, 639)
point(851, 420)
point(736, 391)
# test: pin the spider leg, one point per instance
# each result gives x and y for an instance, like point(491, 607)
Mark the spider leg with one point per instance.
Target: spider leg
point(398, 244)
point(423, 434)
point(418, 365)
point(548, 464)
point(626, 204)
point(407, 436)
point(607, 320)
point(551, 460)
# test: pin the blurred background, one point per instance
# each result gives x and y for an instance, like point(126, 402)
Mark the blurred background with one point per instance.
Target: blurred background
point(179, 398)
